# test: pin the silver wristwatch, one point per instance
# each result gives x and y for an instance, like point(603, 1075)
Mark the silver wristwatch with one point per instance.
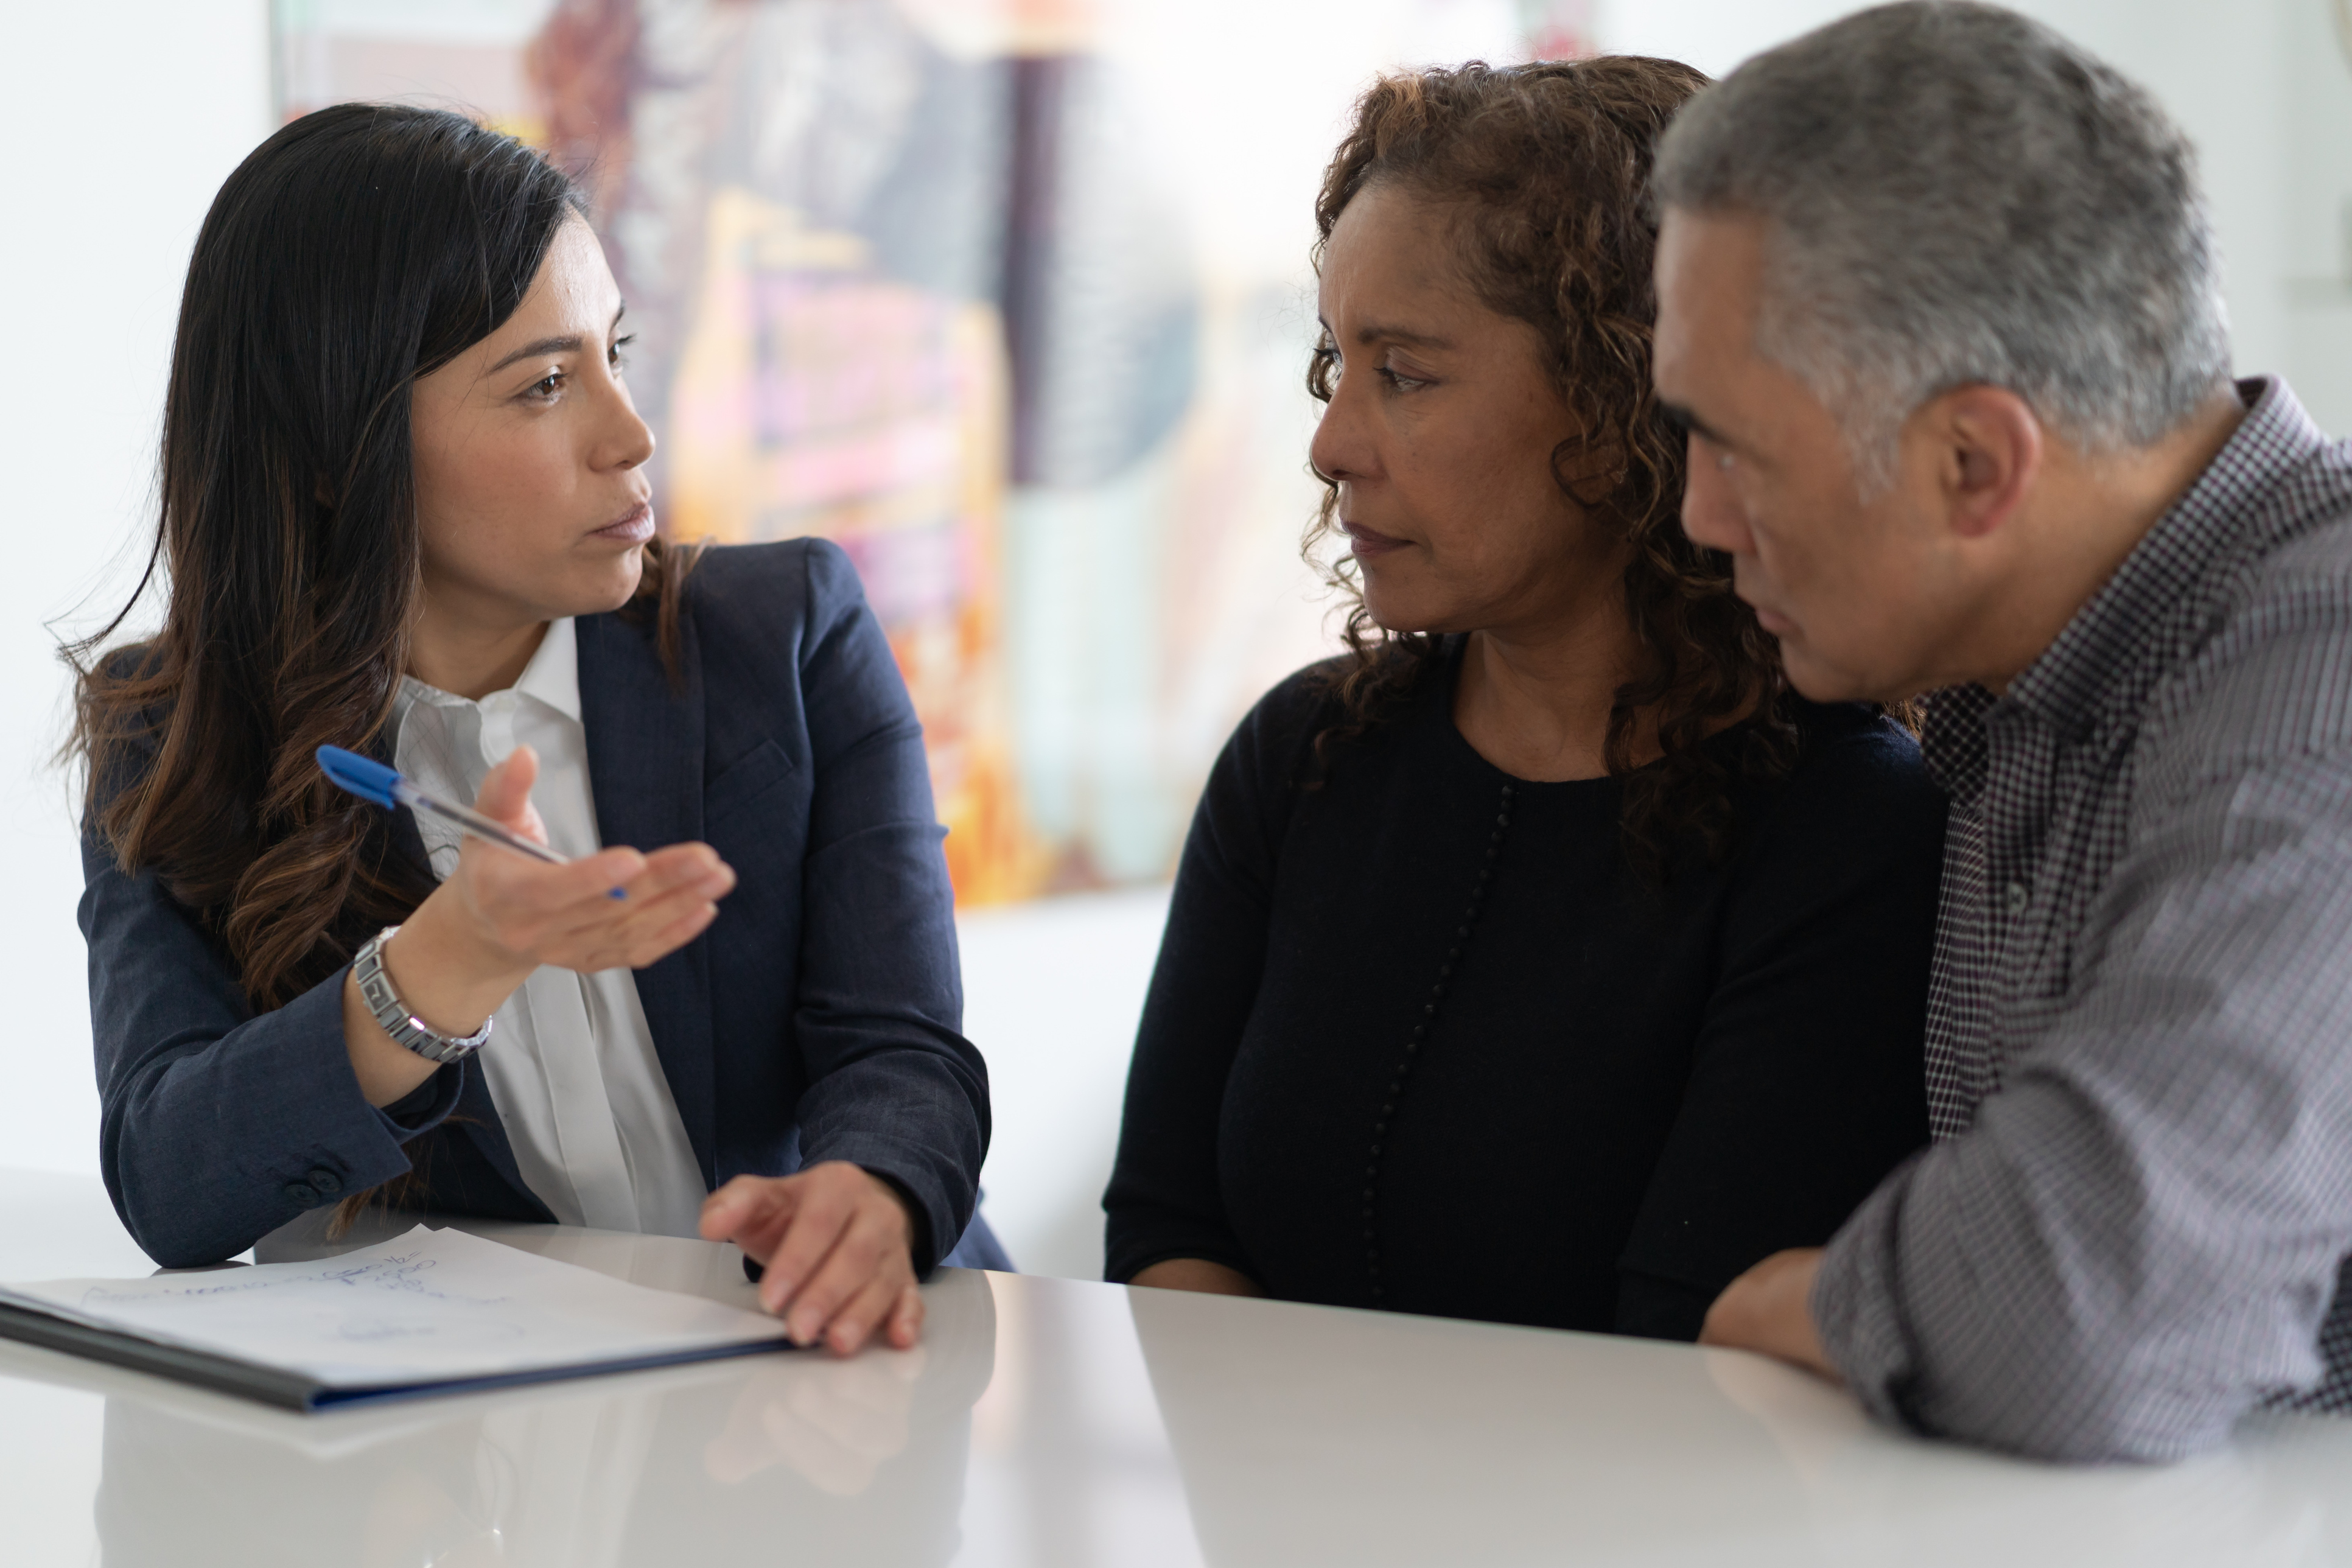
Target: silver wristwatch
point(404, 1026)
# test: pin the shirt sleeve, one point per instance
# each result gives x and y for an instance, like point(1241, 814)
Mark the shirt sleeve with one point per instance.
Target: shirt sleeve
point(893, 1084)
point(2140, 1236)
point(217, 1125)
point(1164, 1199)
point(1806, 1082)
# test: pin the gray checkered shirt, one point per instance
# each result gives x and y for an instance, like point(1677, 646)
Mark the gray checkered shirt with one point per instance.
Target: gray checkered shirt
point(2133, 1223)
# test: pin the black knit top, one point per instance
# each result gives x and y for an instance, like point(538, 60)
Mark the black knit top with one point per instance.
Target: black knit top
point(1420, 1037)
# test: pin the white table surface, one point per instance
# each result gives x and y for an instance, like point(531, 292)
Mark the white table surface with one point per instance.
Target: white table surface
point(1060, 1423)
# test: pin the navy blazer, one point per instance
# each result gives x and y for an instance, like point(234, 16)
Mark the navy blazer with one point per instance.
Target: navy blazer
point(816, 1018)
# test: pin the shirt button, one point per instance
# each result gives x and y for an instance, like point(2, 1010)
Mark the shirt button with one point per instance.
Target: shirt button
point(302, 1194)
point(325, 1183)
point(2019, 896)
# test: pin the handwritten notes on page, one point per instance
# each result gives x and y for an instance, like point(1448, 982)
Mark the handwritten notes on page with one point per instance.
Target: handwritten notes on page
point(427, 1310)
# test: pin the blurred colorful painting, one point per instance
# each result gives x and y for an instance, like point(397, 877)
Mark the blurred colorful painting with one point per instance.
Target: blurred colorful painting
point(1009, 298)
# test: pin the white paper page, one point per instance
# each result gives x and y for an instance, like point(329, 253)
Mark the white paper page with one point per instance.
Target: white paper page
point(431, 1306)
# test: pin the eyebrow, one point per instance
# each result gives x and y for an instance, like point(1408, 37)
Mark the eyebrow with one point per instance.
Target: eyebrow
point(1376, 333)
point(1690, 423)
point(571, 345)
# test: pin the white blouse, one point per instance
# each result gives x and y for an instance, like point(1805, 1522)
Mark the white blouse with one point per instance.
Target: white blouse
point(570, 1065)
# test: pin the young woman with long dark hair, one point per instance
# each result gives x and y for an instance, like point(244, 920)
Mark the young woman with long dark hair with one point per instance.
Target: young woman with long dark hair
point(1543, 959)
point(406, 511)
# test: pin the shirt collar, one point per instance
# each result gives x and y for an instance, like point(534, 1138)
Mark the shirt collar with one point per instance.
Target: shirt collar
point(552, 677)
point(2123, 627)
point(1952, 739)
point(2160, 595)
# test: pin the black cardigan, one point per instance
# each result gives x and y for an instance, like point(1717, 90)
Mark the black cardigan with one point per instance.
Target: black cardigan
point(1616, 1098)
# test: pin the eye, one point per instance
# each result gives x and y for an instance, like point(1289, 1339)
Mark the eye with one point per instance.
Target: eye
point(1399, 382)
point(546, 387)
point(615, 356)
point(1323, 368)
point(1718, 457)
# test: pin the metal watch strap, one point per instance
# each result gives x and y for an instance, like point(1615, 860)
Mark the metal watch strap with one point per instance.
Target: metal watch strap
point(404, 1026)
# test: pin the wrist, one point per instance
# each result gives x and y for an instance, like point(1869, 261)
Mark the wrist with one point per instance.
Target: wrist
point(401, 1023)
point(1769, 1308)
point(450, 978)
point(912, 1224)
point(897, 1196)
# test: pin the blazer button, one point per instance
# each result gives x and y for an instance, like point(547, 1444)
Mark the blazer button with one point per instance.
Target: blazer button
point(302, 1193)
point(325, 1182)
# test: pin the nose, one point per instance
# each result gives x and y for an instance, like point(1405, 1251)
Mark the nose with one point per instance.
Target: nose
point(624, 439)
point(1342, 450)
point(1712, 515)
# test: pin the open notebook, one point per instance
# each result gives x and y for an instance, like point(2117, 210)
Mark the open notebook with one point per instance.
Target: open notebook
point(433, 1311)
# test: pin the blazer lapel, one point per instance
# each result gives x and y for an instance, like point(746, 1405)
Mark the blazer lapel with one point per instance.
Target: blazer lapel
point(644, 771)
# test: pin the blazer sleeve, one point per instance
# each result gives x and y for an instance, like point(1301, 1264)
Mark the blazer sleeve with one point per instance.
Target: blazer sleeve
point(218, 1124)
point(893, 1084)
point(1806, 1083)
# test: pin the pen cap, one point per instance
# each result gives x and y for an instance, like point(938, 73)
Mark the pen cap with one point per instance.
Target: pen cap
point(363, 776)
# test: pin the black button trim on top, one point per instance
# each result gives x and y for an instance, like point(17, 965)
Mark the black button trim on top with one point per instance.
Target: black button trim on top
point(1412, 1046)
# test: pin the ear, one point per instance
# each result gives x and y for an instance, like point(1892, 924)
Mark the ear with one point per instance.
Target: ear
point(1589, 471)
point(1989, 453)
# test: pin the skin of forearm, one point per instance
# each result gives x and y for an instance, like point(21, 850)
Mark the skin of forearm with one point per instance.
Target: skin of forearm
point(449, 979)
point(1768, 1310)
point(1198, 1274)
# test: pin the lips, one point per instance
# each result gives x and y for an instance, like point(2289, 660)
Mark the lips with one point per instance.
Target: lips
point(1367, 543)
point(633, 526)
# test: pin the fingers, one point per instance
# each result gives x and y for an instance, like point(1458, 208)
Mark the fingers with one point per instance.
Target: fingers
point(855, 1320)
point(654, 924)
point(566, 915)
point(641, 942)
point(505, 793)
point(751, 1212)
point(907, 1319)
point(509, 884)
point(834, 1243)
point(857, 1284)
point(686, 870)
point(818, 1226)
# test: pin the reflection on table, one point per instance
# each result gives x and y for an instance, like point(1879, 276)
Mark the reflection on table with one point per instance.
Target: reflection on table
point(835, 1461)
point(1046, 1423)
point(1628, 1451)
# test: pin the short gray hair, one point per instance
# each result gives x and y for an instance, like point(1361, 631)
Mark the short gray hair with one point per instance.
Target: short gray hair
point(1954, 194)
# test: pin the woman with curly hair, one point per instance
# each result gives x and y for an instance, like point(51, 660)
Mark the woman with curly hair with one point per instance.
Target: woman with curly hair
point(1542, 959)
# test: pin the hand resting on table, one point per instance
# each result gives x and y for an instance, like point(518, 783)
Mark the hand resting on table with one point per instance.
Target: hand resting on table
point(837, 1245)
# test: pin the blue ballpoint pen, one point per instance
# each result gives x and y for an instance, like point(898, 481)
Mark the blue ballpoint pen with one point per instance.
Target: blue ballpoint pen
point(371, 780)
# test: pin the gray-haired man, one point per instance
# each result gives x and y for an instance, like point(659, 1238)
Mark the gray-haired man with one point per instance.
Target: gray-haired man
point(1938, 301)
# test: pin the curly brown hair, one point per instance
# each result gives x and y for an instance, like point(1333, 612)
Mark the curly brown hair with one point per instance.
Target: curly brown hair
point(1544, 169)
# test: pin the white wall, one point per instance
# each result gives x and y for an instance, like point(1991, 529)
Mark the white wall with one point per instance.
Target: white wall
point(2260, 86)
point(1052, 992)
point(120, 122)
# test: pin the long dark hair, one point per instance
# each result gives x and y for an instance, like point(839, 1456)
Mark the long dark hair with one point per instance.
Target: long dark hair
point(1544, 170)
point(357, 249)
